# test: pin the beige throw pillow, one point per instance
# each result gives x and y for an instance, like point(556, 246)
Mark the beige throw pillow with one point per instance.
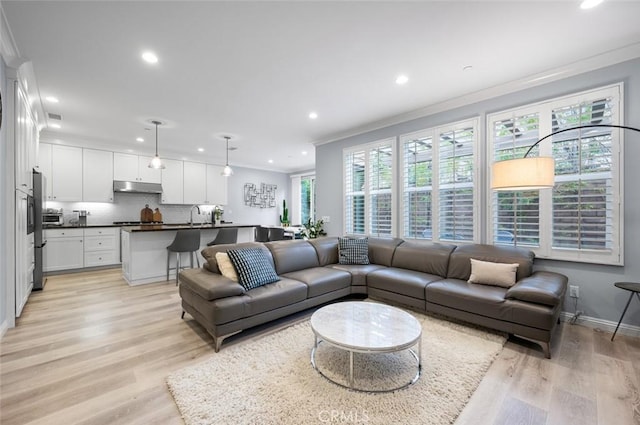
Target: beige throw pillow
point(225, 266)
point(489, 273)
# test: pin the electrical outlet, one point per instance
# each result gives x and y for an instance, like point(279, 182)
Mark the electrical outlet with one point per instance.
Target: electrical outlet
point(326, 218)
point(574, 291)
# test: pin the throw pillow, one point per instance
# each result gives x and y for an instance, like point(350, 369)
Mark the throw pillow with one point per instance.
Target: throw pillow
point(353, 250)
point(496, 274)
point(226, 267)
point(253, 267)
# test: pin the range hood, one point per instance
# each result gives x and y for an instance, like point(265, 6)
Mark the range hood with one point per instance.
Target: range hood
point(136, 187)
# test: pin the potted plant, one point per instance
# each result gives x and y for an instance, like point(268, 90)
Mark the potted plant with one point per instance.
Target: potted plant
point(313, 230)
point(284, 217)
point(217, 214)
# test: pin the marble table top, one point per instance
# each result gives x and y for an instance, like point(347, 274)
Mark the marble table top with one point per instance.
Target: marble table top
point(366, 326)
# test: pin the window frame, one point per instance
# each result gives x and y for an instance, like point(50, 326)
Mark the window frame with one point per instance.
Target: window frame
point(613, 256)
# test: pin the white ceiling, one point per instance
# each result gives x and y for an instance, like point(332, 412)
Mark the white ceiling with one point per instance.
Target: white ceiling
point(255, 70)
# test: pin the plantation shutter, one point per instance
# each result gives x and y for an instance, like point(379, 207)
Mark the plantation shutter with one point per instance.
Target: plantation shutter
point(417, 154)
point(455, 185)
point(583, 201)
point(380, 185)
point(516, 214)
point(354, 173)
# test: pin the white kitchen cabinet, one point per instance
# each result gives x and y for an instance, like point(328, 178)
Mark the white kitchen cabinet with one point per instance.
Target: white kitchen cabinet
point(97, 176)
point(195, 183)
point(101, 246)
point(134, 168)
point(24, 259)
point(66, 174)
point(172, 182)
point(44, 166)
point(216, 185)
point(26, 138)
point(64, 249)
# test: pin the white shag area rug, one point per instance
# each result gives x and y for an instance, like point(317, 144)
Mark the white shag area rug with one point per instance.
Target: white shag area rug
point(271, 381)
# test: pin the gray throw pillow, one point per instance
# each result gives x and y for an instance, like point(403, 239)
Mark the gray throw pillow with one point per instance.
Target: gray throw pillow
point(253, 267)
point(353, 250)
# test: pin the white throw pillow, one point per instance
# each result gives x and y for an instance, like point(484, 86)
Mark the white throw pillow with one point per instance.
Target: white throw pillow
point(489, 273)
point(226, 266)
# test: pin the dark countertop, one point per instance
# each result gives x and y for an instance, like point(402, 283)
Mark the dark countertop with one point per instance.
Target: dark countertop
point(76, 226)
point(178, 226)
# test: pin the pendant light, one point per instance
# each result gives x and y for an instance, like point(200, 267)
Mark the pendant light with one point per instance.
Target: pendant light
point(227, 170)
point(156, 162)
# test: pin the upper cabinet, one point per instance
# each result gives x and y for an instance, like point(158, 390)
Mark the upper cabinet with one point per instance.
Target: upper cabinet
point(26, 139)
point(216, 185)
point(172, 182)
point(195, 183)
point(97, 176)
point(62, 167)
point(134, 168)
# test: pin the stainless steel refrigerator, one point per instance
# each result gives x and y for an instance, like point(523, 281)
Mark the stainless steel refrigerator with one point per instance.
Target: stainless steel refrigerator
point(39, 197)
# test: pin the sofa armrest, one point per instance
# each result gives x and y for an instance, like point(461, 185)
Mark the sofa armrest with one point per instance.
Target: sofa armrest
point(546, 288)
point(210, 286)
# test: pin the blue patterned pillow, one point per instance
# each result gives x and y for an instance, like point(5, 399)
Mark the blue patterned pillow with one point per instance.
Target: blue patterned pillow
point(253, 267)
point(353, 251)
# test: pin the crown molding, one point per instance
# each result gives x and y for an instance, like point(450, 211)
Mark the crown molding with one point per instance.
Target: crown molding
point(8, 48)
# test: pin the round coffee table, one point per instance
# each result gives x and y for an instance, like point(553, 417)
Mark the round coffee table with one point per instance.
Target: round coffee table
point(364, 327)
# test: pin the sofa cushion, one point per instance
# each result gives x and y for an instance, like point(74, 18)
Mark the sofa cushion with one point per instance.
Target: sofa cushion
point(274, 295)
point(381, 250)
point(432, 258)
point(353, 250)
point(290, 256)
point(461, 295)
point(358, 272)
point(327, 250)
point(253, 267)
point(209, 253)
point(490, 273)
point(321, 280)
point(406, 282)
point(209, 286)
point(460, 259)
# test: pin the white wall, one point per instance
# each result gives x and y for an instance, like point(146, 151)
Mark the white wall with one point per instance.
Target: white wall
point(599, 299)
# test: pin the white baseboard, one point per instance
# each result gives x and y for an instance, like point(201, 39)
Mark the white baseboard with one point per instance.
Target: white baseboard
point(604, 325)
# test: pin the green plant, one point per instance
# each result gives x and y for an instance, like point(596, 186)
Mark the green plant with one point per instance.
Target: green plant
point(284, 217)
point(313, 230)
point(217, 212)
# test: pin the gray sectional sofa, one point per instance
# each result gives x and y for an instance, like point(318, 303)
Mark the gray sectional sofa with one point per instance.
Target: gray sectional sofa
point(425, 276)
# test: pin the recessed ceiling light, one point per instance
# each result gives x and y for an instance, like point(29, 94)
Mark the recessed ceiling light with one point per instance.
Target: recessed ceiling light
point(52, 99)
point(200, 149)
point(150, 57)
point(139, 139)
point(55, 125)
point(313, 115)
point(588, 4)
point(402, 79)
point(304, 152)
point(270, 161)
point(467, 67)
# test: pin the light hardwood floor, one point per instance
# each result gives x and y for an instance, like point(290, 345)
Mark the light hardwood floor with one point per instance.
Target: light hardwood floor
point(91, 350)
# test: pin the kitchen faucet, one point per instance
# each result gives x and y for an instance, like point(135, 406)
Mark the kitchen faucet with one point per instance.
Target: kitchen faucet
point(191, 213)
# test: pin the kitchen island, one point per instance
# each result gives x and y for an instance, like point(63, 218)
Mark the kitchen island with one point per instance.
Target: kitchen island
point(144, 248)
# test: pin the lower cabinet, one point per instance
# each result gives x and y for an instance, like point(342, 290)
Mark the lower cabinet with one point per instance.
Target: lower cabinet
point(69, 249)
point(64, 249)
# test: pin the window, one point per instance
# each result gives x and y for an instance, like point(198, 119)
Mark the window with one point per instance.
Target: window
point(580, 219)
point(439, 199)
point(303, 196)
point(369, 179)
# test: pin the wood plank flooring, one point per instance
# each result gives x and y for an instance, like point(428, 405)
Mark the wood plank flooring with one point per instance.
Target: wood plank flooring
point(89, 349)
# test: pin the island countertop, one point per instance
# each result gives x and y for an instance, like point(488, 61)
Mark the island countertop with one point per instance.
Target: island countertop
point(180, 226)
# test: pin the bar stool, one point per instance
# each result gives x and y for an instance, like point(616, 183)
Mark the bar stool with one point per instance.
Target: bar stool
point(276, 234)
point(224, 236)
point(261, 234)
point(187, 240)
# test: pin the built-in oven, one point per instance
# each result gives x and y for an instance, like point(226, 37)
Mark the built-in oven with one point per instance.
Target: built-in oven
point(31, 215)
